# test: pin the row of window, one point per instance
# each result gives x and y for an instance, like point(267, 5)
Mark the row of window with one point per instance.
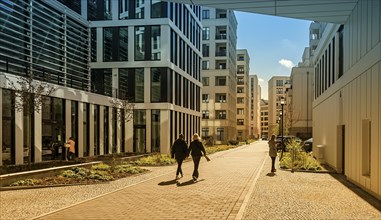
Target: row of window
point(220, 97)
point(220, 133)
point(219, 81)
point(326, 69)
point(56, 49)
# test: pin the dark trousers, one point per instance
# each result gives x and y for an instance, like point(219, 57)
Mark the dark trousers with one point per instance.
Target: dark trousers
point(196, 161)
point(273, 164)
point(179, 170)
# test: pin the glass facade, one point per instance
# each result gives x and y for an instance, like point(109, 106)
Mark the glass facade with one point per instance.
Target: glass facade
point(139, 144)
point(131, 9)
point(101, 80)
point(161, 81)
point(8, 145)
point(74, 124)
point(147, 43)
point(155, 130)
point(98, 10)
point(159, 9)
point(115, 44)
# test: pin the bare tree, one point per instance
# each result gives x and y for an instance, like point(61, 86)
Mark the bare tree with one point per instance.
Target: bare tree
point(291, 118)
point(29, 94)
point(126, 107)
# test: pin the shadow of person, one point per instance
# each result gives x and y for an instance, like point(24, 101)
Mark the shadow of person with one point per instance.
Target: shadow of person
point(270, 174)
point(189, 182)
point(166, 183)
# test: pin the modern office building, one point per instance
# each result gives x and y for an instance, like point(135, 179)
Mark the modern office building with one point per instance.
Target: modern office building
point(243, 95)
point(255, 108)
point(218, 106)
point(264, 119)
point(93, 52)
point(277, 92)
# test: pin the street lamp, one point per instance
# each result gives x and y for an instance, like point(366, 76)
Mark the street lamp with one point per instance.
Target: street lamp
point(281, 129)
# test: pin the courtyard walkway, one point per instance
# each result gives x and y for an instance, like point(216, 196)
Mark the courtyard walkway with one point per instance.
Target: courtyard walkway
point(235, 184)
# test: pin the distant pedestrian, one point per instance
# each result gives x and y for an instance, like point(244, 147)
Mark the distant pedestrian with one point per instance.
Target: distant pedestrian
point(272, 152)
point(197, 150)
point(71, 150)
point(179, 151)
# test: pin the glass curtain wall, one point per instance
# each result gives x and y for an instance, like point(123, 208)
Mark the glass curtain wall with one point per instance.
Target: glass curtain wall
point(106, 135)
point(74, 124)
point(8, 145)
point(140, 131)
point(155, 130)
point(86, 117)
point(96, 129)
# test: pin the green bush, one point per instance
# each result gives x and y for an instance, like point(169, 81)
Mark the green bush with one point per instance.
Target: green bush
point(302, 160)
point(26, 182)
point(154, 160)
point(99, 175)
point(76, 172)
point(101, 166)
point(128, 168)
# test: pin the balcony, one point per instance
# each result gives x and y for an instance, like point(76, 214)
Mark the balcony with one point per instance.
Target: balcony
point(221, 53)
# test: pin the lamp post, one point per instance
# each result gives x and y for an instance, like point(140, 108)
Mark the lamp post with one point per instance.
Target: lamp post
point(281, 129)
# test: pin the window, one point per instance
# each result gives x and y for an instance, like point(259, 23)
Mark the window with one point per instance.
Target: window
point(221, 114)
point(160, 85)
point(8, 117)
point(115, 44)
point(98, 11)
point(279, 91)
point(240, 81)
point(220, 80)
point(205, 14)
point(147, 43)
point(206, 33)
point(240, 111)
point(240, 122)
point(221, 13)
point(240, 89)
point(221, 97)
point(205, 50)
point(155, 130)
point(139, 85)
point(205, 133)
point(131, 9)
point(279, 83)
point(241, 57)
point(220, 134)
point(205, 64)
point(205, 114)
point(205, 98)
point(240, 100)
point(205, 81)
point(101, 80)
point(158, 9)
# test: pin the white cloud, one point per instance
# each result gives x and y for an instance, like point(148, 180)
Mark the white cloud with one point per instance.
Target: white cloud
point(261, 80)
point(286, 63)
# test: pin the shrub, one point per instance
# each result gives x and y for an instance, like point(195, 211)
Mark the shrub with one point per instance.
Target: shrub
point(128, 168)
point(101, 166)
point(302, 160)
point(26, 182)
point(233, 142)
point(216, 148)
point(76, 172)
point(99, 175)
point(157, 159)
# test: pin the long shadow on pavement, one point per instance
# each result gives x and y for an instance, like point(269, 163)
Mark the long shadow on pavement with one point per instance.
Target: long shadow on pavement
point(189, 182)
point(166, 183)
point(360, 192)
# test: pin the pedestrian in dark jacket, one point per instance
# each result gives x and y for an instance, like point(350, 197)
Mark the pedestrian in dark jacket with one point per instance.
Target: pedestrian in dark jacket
point(197, 150)
point(179, 152)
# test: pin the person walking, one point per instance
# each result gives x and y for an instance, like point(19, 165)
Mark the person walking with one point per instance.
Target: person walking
point(71, 150)
point(272, 152)
point(179, 152)
point(197, 150)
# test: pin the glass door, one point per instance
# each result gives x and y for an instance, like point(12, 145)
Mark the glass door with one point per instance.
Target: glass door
point(140, 139)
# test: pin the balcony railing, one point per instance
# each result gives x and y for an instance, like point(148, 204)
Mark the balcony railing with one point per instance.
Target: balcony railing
point(220, 53)
point(221, 37)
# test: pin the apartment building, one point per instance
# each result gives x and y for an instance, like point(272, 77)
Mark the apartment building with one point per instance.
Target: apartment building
point(148, 52)
point(243, 95)
point(219, 36)
point(299, 99)
point(264, 119)
point(255, 108)
point(277, 87)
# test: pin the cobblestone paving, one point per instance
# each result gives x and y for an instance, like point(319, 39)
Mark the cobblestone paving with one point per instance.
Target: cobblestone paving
point(231, 186)
point(215, 196)
point(302, 195)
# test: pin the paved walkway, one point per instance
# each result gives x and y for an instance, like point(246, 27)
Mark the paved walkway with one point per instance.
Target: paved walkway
point(234, 185)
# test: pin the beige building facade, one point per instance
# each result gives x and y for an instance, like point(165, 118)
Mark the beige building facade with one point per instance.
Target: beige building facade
point(347, 105)
point(243, 95)
point(219, 35)
point(277, 91)
point(264, 119)
point(255, 107)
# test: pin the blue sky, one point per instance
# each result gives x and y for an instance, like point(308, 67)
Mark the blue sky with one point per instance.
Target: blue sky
point(274, 44)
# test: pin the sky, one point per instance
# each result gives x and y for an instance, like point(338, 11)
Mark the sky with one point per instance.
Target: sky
point(274, 44)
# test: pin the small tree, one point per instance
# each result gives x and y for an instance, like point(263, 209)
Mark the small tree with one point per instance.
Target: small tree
point(291, 118)
point(126, 109)
point(29, 95)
